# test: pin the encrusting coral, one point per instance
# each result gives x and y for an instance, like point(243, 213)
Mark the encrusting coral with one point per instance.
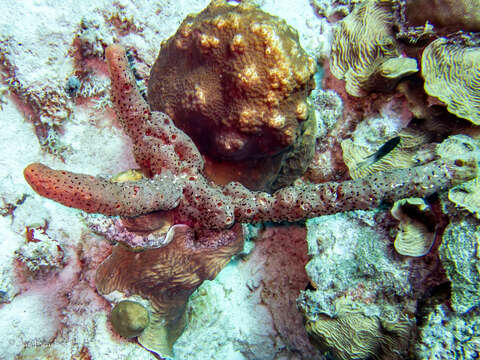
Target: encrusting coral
point(210, 214)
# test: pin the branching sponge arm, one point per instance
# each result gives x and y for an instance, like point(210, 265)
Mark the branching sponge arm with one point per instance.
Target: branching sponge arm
point(298, 203)
point(96, 195)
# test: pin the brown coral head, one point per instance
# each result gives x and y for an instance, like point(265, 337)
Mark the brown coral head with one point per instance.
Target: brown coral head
point(235, 79)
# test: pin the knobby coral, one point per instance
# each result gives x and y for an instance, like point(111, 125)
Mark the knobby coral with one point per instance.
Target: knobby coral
point(240, 75)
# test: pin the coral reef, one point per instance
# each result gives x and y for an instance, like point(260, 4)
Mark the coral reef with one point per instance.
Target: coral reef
point(451, 69)
point(160, 148)
point(352, 311)
point(168, 154)
point(248, 312)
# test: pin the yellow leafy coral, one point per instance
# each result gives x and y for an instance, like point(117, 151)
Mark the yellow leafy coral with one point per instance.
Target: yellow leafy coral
point(451, 69)
point(353, 335)
point(364, 51)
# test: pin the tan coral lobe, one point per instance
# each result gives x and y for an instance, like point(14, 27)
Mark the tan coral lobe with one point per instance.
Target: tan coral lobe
point(451, 69)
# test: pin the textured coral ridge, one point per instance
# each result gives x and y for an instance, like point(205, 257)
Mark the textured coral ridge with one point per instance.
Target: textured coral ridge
point(167, 276)
point(235, 79)
point(162, 149)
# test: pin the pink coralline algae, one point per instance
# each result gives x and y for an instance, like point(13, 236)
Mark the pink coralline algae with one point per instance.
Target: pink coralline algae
point(175, 182)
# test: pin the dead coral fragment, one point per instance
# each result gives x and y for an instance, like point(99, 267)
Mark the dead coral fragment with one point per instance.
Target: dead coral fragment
point(365, 53)
point(167, 276)
point(416, 231)
point(451, 69)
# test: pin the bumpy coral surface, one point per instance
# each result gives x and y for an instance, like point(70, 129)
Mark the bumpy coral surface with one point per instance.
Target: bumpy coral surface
point(235, 79)
point(459, 255)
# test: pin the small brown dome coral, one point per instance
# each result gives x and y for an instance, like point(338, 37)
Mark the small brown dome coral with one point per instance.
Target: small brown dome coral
point(236, 80)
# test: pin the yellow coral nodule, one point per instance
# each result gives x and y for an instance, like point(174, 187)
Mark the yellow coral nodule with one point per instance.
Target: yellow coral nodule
point(129, 318)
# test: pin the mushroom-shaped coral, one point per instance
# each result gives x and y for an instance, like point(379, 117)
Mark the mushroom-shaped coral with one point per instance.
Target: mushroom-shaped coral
point(364, 51)
point(451, 69)
point(167, 276)
point(236, 80)
point(416, 230)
